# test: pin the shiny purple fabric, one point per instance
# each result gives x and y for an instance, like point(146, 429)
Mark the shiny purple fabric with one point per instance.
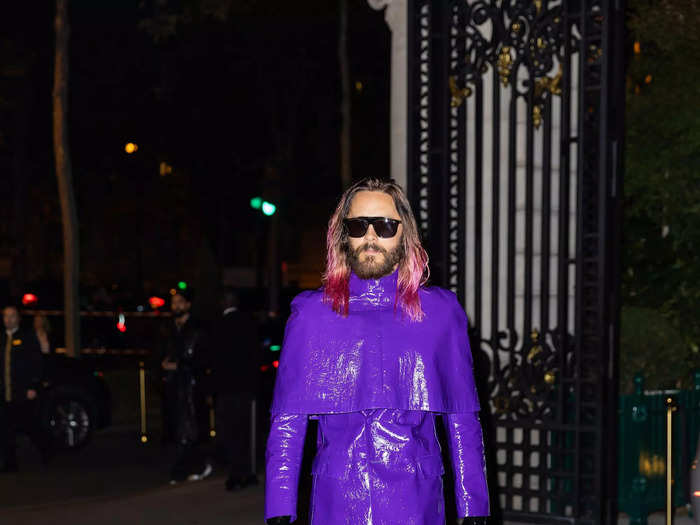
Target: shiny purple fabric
point(375, 384)
point(375, 357)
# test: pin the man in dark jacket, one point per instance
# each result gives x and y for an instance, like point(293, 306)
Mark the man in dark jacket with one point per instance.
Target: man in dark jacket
point(235, 381)
point(21, 370)
point(183, 364)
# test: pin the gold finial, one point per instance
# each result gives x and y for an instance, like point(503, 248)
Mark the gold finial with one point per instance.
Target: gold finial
point(505, 64)
point(537, 116)
point(458, 95)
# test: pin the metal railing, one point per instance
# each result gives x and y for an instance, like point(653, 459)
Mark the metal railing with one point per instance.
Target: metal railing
point(644, 482)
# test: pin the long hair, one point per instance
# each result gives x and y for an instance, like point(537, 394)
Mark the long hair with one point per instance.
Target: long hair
point(413, 268)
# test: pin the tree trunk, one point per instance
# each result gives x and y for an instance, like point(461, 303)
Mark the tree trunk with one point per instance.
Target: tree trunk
point(69, 213)
point(345, 169)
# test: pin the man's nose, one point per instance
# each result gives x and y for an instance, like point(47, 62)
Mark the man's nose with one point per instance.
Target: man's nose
point(370, 234)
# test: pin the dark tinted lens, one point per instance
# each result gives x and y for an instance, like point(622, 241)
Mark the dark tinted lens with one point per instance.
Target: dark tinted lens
point(385, 227)
point(356, 227)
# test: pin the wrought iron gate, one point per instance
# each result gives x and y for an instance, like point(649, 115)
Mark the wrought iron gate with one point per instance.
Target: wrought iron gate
point(515, 133)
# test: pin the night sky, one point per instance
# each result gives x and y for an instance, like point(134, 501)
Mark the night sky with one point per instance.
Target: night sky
point(238, 98)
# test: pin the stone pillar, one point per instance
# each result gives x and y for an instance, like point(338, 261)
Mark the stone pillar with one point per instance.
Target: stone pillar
point(396, 16)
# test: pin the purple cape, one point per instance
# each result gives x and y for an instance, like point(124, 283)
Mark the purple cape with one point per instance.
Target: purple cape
point(375, 357)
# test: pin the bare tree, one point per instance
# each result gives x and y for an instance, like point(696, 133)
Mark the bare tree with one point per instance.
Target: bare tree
point(345, 169)
point(69, 213)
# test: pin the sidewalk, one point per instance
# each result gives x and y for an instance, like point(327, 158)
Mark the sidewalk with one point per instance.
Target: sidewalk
point(204, 502)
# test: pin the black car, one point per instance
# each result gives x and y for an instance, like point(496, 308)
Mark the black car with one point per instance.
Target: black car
point(74, 401)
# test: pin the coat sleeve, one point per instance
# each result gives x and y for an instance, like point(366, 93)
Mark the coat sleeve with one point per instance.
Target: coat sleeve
point(285, 447)
point(468, 463)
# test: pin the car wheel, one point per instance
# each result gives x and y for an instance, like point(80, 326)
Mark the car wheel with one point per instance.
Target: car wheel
point(71, 420)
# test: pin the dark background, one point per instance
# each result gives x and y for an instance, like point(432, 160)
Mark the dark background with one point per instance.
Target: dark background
point(238, 98)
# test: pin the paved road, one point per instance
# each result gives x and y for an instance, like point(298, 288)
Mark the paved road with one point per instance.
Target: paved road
point(203, 502)
point(118, 481)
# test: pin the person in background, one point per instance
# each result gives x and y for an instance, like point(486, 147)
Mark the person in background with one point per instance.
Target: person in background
point(42, 329)
point(20, 379)
point(235, 381)
point(183, 364)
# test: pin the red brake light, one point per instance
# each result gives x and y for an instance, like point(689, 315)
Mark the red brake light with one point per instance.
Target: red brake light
point(29, 298)
point(156, 302)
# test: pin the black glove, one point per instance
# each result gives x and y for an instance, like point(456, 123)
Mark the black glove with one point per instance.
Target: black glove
point(279, 520)
point(475, 520)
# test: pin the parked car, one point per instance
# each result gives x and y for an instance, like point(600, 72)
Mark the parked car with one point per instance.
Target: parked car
point(74, 402)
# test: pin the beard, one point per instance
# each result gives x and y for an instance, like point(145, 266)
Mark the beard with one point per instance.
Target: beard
point(374, 266)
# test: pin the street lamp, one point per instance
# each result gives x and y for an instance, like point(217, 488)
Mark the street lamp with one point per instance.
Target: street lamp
point(130, 148)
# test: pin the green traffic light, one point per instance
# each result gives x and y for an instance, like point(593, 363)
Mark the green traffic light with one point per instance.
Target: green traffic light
point(256, 203)
point(268, 208)
point(182, 285)
point(275, 348)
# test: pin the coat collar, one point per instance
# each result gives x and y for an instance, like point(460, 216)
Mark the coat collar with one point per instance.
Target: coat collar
point(373, 292)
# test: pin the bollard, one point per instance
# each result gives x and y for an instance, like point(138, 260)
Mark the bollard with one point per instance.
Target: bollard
point(670, 408)
point(212, 417)
point(253, 451)
point(142, 400)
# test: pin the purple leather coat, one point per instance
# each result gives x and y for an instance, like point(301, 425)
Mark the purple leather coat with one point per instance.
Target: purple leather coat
point(375, 381)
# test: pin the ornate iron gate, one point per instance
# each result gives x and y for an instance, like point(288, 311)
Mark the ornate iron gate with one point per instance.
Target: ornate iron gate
point(515, 133)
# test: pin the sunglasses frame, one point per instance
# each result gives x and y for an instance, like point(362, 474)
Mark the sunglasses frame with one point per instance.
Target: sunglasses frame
point(371, 221)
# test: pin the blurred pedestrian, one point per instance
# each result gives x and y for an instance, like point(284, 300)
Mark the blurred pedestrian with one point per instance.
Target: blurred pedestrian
point(21, 366)
point(183, 363)
point(42, 329)
point(235, 381)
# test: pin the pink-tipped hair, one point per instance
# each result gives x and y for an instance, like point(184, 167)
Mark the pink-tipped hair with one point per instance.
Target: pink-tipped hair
point(413, 269)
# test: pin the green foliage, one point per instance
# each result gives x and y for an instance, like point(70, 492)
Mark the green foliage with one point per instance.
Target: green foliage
point(654, 348)
point(661, 251)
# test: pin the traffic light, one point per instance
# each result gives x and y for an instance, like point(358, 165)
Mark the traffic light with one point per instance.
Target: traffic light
point(257, 203)
point(182, 285)
point(268, 208)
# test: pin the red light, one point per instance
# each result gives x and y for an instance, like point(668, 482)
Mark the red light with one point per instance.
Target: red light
point(121, 327)
point(156, 302)
point(29, 298)
point(275, 364)
point(264, 368)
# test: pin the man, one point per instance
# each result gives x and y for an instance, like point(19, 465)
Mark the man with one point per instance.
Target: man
point(21, 368)
point(183, 362)
point(373, 355)
point(235, 380)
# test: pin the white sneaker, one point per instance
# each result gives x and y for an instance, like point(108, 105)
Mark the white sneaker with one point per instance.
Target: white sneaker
point(208, 469)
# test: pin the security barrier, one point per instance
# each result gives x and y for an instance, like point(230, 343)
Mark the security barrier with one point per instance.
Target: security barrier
point(642, 483)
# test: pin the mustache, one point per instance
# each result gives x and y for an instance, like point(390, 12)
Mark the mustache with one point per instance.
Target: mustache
point(371, 246)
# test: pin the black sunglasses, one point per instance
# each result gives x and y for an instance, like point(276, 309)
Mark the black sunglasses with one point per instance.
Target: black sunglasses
point(383, 226)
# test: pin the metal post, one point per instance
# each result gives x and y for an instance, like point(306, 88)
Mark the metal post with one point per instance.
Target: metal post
point(253, 465)
point(670, 407)
point(142, 399)
point(212, 417)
